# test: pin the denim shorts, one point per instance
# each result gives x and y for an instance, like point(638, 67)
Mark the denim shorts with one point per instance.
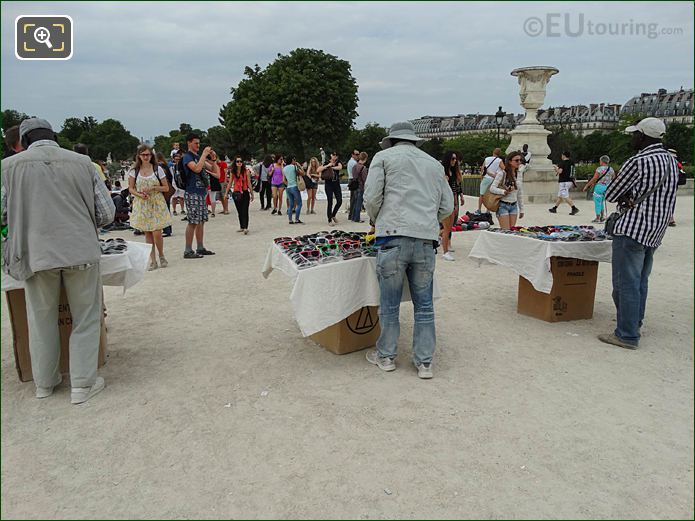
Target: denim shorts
point(507, 209)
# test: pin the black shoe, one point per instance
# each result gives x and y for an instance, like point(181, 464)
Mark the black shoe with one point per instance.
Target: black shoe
point(166, 235)
point(291, 222)
point(273, 212)
point(205, 252)
point(192, 255)
point(185, 219)
point(298, 222)
point(138, 232)
point(574, 211)
point(553, 209)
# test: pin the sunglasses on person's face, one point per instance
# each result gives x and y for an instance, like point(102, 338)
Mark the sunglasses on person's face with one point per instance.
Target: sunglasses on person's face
point(145, 154)
point(239, 162)
point(517, 160)
point(454, 158)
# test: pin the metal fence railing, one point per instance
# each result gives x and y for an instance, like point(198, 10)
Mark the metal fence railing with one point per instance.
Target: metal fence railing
point(470, 184)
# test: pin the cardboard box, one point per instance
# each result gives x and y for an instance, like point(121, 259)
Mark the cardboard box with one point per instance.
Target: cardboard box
point(358, 331)
point(16, 305)
point(572, 295)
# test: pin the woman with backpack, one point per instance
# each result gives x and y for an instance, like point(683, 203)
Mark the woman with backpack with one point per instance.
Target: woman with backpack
point(242, 192)
point(147, 183)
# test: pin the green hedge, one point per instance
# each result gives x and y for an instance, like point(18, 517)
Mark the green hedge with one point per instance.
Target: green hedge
point(587, 171)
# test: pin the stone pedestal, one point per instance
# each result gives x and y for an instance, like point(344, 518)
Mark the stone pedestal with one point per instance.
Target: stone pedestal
point(540, 181)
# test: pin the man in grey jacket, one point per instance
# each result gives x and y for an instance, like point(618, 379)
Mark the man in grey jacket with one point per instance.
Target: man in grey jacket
point(407, 196)
point(53, 202)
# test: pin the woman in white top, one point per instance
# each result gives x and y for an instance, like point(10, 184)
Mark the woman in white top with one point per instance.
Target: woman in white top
point(508, 182)
point(147, 184)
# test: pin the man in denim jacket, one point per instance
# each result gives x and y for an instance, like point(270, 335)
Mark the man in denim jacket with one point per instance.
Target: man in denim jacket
point(407, 196)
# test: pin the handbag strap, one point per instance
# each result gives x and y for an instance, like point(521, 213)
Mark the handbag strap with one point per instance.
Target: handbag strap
point(641, 198)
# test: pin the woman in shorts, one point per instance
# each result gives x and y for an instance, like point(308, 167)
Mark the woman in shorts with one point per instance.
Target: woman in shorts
point(277, 184)
point(311, 179)
point(508, 183)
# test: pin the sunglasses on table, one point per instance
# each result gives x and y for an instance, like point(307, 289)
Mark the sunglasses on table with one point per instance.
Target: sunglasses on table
point(328, 249)
point(287, 244)
point(352, 255)
point(278, 240)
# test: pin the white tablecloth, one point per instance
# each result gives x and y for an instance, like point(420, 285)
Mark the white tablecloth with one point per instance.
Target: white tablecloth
point(530, 258)
point(326, 294)
point(124, 269)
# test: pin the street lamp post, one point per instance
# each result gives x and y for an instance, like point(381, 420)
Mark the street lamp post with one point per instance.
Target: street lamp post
point(499, 117)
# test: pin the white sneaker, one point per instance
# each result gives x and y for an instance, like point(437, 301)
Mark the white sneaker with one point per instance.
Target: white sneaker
point(424, 371)
point(82, 394)
point(448, 256)
point(45, 392)
point(385, 364)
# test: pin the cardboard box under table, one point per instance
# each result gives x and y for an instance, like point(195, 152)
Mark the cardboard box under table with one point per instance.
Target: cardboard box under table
point(557, 280)
point(16, 305)
point(126, 270)
point(336, 304)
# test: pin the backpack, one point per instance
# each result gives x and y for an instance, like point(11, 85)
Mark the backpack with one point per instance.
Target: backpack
point(180, 175)
point(156, 174)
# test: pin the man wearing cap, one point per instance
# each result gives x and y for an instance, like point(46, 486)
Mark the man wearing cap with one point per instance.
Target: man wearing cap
point(407, 196)
point(53, 202)
point(640, 228)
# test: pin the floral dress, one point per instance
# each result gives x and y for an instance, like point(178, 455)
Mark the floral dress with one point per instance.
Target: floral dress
point(151, 214)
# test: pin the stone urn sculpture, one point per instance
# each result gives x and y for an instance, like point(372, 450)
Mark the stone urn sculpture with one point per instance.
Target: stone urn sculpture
point(540, 183)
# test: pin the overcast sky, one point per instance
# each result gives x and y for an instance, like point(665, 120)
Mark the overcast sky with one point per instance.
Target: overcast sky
point(153, 65)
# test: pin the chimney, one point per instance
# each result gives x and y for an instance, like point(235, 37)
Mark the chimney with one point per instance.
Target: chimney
point(661, 92)
point(601, 106)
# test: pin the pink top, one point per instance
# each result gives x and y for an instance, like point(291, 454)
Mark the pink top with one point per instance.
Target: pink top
point(277, 175)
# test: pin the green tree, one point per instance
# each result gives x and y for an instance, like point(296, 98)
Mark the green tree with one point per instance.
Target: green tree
point(434, 147)
point(474, 148)
point(300, 102)
point(219, 139)
point(11, 117)
point(110, 136)
point(680, 137)
point(366, 139)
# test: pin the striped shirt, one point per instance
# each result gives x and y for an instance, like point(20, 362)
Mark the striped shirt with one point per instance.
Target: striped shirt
point(647, 222)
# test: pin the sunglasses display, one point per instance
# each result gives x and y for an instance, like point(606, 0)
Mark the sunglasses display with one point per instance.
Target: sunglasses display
point(325, 247)
point(563, 233)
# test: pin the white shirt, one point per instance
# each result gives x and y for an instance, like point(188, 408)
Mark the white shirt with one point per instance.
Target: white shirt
point(493, 165)
point(350, 166)
point(513, 197)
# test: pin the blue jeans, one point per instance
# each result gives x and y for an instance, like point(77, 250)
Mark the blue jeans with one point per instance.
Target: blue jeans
point(632, 264)
point(357, 205)
point(294, 202)
point(414, 258)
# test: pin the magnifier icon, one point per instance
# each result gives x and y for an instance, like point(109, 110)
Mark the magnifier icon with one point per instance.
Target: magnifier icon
point(42, 35)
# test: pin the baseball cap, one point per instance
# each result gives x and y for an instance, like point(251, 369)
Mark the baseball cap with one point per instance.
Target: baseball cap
point(652, 127)
point(32, 124)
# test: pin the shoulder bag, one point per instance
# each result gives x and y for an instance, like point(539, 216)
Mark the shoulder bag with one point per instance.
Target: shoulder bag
point(327, 174)
point(301, 185)
point(492, 200)
point(613, 218)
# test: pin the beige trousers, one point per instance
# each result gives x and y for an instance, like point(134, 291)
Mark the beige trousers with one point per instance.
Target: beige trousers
point(83, 289)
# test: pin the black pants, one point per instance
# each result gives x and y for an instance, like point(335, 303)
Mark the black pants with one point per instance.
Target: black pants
point(266, 194)
point(333, 189)
point(242, 208)
point(167, 230)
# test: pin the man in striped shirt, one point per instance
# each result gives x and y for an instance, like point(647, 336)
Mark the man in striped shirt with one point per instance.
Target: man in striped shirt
point(641, 228)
